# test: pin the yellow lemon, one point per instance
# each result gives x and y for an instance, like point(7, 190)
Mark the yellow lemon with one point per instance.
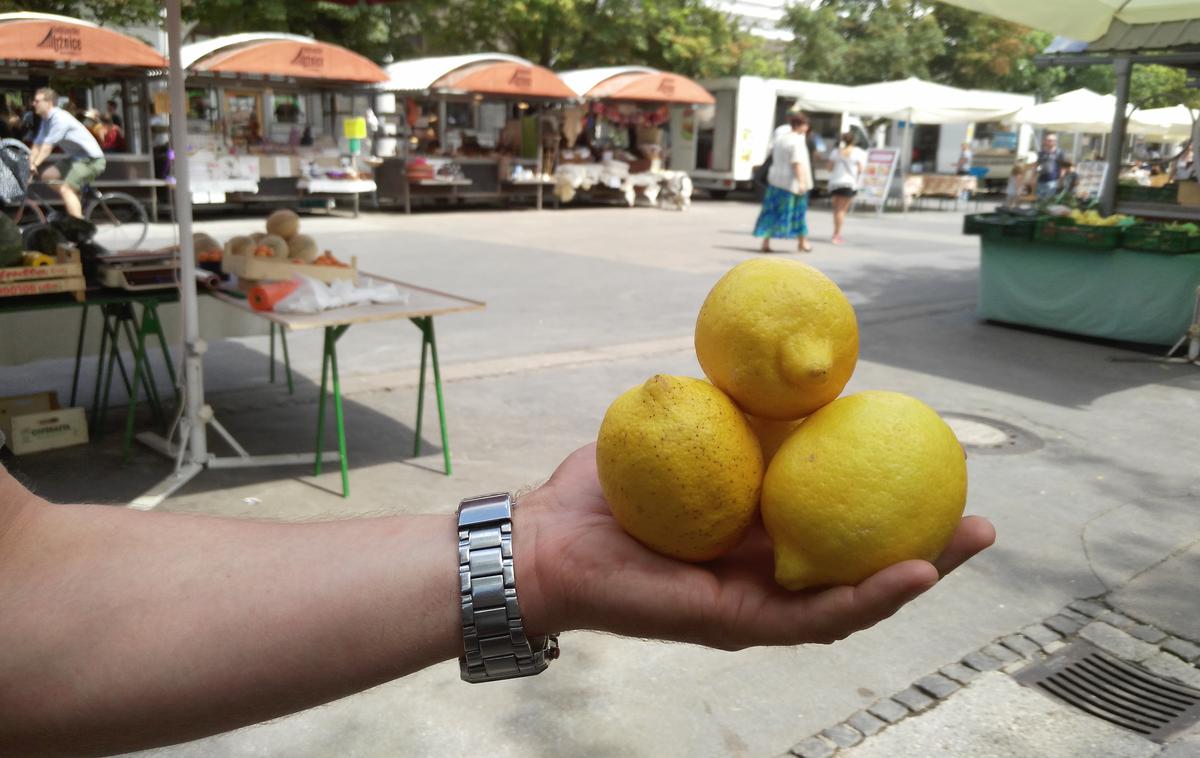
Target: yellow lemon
point(680, 467)
point(771, 433)
point(867, 481)
point(778, 336)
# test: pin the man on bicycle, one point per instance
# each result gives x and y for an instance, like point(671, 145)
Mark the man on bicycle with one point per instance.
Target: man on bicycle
point(84, 160)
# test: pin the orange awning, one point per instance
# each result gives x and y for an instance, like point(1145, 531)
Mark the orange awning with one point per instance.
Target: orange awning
point(63, 40)
point(656, 87)
point(302, 60)
point(506, 79)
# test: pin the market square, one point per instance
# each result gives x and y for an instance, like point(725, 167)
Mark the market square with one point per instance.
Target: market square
point(502, 283)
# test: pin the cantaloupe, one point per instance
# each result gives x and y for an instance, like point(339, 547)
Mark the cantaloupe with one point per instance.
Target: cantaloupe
point(204, 243)
point(279, 246)
point(283, 223)
point(303, 247)
point(239, 245)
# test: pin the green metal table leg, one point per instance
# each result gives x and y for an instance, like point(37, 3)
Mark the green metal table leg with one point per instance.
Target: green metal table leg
point(437, 383)
point(337, 401)
point(99, 371)
point(162, 343)
point(271, 370)
point(114, 357)
point(420, 322)
point(287, 362)
point(78, 352)
point(139, 362)
point(145, 328)
point(321, 400)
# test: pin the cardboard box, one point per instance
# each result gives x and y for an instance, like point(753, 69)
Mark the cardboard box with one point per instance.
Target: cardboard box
point(1189, 193)
point(20, 405)
point(35, 432)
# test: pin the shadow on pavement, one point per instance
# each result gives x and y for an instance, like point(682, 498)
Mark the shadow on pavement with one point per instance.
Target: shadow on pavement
point(264, 419)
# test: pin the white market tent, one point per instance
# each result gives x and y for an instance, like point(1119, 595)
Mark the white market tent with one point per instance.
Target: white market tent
point(1173, 124)
point(1117, 32)
point(1080, 110)
point(918, 101)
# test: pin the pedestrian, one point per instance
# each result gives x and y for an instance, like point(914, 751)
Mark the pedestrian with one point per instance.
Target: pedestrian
point(846, 168)
point(84, 160)
point(965, 158)
point(114, 113)
point(789, 179)
point(1049, 166)
point(113, 139)
point(123, 630)
point(1184, 167)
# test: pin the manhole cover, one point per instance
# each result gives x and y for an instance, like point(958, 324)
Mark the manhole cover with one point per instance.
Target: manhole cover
point(987, 435)
point(1085, 677)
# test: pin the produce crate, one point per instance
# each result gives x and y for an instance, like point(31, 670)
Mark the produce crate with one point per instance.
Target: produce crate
point(1063, 231)
point(1167, 194)
point(64, 275)
point(999, 225)
point(253, 268)
point(1156, 238)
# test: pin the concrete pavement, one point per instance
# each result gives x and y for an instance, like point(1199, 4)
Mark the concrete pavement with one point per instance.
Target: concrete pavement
point(585, 303)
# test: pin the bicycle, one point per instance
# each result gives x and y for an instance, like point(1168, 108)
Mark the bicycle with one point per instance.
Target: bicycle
point(121, 220)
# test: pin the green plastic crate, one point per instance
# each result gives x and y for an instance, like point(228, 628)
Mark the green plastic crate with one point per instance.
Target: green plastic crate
point(1066, 232)
point(1157, 238)
point(999, 225)
point(1167, 194)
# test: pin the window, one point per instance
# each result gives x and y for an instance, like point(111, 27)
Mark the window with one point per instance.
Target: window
point(289, 109)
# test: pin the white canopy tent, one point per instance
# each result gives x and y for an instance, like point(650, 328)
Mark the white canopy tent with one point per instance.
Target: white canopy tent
point(1080, 110)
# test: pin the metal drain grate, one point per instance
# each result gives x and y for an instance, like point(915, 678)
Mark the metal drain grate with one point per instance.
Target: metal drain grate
point(1121, 693)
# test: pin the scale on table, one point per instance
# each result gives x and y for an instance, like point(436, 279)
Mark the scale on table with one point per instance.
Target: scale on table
point(140, 270)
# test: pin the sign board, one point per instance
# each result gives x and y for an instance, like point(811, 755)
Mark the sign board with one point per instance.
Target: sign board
point(877, 176)
point(1004, 140)
point(1091, 178)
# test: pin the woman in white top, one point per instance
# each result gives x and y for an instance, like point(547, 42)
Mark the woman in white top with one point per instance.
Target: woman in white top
point(785, 204)
point(846, 168)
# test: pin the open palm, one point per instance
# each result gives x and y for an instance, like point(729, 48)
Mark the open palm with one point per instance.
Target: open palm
point(591, 575)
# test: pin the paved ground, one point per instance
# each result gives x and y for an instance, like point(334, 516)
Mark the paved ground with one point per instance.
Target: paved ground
point(585, 303)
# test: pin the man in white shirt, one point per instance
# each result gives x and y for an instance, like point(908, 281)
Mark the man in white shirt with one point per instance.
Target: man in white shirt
point(84, 161)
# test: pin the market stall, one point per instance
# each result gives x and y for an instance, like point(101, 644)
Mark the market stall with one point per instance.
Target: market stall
point(276, 118)
point(467, 128)
point(90, 67)
point(616, 144)
point(1129, 270)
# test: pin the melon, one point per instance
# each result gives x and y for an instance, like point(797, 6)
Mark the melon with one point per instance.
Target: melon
point(204, 243)
point(239, 245)
point(283, 223)
point(303, 247)
point(279, 247)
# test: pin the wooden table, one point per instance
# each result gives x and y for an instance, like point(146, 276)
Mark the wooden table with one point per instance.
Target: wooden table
point(422, 305)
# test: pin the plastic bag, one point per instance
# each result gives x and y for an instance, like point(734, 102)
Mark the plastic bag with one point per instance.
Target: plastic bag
point(314, 296)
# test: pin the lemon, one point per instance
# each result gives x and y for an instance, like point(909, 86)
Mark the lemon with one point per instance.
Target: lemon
point(867, 481)
point(680, 467)
point(778, 336)
point(771, 433)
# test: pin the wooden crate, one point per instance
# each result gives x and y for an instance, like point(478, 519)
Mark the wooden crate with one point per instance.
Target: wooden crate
point(64, 276)
point(274, 269)
point(1189, 193)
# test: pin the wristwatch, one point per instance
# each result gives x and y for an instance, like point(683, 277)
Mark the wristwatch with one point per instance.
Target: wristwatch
point(495, 646)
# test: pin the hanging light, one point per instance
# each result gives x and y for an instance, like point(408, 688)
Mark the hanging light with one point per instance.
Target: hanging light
point(523, 106)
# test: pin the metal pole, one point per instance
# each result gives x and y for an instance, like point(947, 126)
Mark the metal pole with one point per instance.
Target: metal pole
point(1116, 141)
point(193, 382)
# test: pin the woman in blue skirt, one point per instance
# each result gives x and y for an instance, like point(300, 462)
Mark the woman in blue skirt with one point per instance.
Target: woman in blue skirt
point(788, 182)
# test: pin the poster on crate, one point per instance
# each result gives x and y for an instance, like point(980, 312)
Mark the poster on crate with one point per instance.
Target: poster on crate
point(1091, 178)
point(877, 176)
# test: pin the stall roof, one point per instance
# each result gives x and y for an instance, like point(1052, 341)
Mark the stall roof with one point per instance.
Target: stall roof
point(1079, 110)
point(636, 83)
point(269, 54)
point(482, 73)
point(1091, 20)
point(919, 101)
point(45, 37)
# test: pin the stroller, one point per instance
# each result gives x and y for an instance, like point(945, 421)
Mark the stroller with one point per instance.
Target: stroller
point(14, 171)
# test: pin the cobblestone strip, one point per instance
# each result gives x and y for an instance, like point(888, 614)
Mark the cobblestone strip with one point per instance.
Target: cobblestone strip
point(1116, 633)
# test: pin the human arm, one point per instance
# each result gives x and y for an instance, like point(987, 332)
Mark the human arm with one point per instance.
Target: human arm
point(210, 624)
point(38, 156)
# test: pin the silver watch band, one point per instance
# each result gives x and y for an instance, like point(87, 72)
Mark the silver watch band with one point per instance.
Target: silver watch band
point(494, 642)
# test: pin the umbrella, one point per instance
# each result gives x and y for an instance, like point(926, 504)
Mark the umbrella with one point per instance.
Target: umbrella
point(1084, 20)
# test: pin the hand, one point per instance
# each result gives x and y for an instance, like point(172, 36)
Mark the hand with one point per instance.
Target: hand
point(587, 573)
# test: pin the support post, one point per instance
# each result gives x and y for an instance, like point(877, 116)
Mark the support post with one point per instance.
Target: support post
point(1122, 67)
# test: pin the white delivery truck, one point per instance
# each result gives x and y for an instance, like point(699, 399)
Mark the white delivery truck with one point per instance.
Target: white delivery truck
point(720, 145)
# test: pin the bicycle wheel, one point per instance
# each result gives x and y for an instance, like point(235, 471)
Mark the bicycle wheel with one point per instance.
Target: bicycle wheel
point(121, 222)
point(29, 212)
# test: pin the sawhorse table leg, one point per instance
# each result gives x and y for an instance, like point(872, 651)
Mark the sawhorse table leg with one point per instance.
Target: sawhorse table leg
point(429, 345)
point(287, 364)
point(149, 325)
point(329, 366)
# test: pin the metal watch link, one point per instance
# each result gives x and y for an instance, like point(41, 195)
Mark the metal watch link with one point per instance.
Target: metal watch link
point(495, 646)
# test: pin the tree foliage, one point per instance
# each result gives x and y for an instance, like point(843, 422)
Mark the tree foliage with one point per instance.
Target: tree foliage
point(103, 12)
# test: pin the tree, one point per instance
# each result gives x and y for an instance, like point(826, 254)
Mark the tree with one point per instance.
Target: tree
point(1154, 86)
point(103, 12)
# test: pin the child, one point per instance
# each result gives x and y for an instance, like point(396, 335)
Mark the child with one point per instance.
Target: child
point(1016, 185)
